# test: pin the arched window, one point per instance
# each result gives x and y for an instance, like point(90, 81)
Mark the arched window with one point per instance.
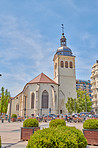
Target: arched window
point(62, 64)
point(17, 107)
point(71, 65)
point(45, 98)
point(66, 64)
point(32, 100)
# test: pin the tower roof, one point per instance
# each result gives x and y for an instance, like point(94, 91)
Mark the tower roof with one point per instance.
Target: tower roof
point(63, 49)
point(42, 78)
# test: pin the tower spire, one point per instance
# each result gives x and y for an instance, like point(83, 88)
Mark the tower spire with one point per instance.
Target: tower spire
point(62, 29)
point(63, 39)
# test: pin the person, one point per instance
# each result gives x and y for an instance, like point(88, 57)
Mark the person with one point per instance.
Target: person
point(37, 116)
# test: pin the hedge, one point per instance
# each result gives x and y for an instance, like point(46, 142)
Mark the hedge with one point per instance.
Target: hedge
point(57, 122)
point(90, 124)
point(60, 137)
point(14, 116)
point(31, 123)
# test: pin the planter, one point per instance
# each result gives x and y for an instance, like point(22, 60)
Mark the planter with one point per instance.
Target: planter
point(13, 119)
point(91, 135)
point(26, 132)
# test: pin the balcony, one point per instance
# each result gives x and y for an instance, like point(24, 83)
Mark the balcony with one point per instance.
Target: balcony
point(94, 99)
point(96, 68)
point(96, 73)
point(93, 81)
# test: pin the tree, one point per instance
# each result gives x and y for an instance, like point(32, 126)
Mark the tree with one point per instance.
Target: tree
point(70, 105)
point(5, 96)
point(81, 104)
point(83, 101)
point(2, 100)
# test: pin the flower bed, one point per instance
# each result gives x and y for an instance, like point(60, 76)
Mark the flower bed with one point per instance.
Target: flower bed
point(91, 131)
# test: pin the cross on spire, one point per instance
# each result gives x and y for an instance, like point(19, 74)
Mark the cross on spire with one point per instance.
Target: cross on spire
point(62, 29)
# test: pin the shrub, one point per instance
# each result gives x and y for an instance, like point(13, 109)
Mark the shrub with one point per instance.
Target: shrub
point(31, 123)
point(14, 116)
point(60, 137)
point(57, 122)
point(90, 124)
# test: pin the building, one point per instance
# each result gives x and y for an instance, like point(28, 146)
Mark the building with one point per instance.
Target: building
point(85, 86)
point(94, 87)
point(43, 95)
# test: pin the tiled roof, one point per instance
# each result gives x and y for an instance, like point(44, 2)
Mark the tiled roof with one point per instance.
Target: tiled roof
point(42, 78)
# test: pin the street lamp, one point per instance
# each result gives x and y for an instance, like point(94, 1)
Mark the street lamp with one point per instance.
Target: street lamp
point(10, 110)
point(85, 103)
point(75, 104)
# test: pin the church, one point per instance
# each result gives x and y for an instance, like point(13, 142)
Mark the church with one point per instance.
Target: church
point(43, 95)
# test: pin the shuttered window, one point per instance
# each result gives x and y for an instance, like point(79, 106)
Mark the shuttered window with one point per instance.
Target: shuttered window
point(66, 64)
point(62, 64)
point(71, 65)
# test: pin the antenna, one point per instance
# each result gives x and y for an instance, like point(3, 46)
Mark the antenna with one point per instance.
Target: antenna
point(62, 29)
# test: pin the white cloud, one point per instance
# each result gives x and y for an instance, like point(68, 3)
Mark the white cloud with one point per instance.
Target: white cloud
point(25, 55)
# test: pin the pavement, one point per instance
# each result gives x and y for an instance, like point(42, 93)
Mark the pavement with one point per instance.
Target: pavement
point(10, 133)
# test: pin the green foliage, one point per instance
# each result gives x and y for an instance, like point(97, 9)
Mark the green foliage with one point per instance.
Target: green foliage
point(83, 101)
point(5, 96)
point(57, 122)
point(70, 105)
point(90, 124)
point(31, 123)
point(80, 104)
point(60, 137)
point(14, 116)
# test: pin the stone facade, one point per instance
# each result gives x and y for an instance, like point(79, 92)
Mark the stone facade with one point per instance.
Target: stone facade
point(94, 87)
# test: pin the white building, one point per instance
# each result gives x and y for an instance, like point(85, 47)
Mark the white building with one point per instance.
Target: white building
point(94, 87)
point(43, 95)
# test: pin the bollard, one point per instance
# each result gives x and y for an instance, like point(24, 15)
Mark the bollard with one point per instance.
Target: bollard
point(2, 120)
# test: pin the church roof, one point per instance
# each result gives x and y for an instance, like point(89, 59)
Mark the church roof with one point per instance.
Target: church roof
point(42, 78)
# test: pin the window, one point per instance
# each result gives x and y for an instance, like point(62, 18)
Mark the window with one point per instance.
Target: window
point(60, 111)
point(62, 64)
point(17, 107)
point(45, 98)
point(66, 64)
point(71, 65)
point(32, 100)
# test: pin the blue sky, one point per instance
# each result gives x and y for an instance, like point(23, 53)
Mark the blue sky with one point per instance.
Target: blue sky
point(30, 31)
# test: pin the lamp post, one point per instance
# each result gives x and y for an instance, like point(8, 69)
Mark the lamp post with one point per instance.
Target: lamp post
point(85, 103)
point(75, 104)
point(25, 108)
point(10, 110)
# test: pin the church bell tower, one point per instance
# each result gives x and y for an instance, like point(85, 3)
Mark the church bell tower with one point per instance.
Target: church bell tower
point(64, 73)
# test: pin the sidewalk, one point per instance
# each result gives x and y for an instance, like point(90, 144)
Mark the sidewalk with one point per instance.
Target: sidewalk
point(10, 134)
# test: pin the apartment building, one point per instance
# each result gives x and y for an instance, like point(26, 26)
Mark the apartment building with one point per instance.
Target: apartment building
point(94, 87)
